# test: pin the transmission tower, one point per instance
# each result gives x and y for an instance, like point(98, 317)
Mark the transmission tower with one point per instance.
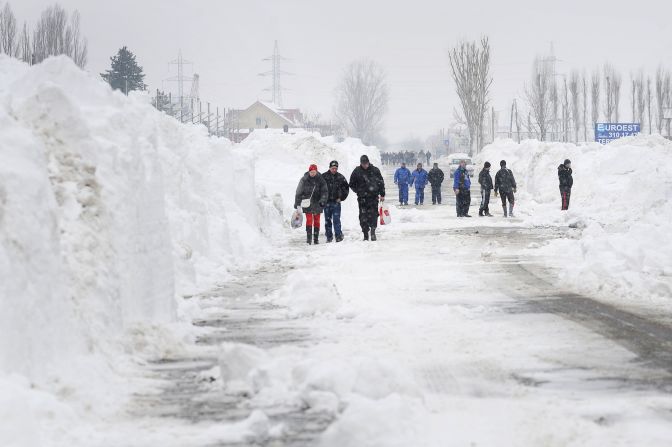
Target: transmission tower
point(180, 78)
point(275, 72)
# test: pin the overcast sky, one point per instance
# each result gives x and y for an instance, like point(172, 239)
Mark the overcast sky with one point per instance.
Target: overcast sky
point(226, 40)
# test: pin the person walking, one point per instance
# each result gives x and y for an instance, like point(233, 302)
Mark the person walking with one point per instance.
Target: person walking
point(485, 180)
point(461, 186)
point(566, 183)
point(337, 191)
point(311, 191)
point(505, 186)
point(435, 178)
point(403, 178)
point(419, 181)
point(429, 157)
point(367, 182)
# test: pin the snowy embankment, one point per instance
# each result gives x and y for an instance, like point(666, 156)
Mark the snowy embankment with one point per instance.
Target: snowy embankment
point(620, 200)
point(109, 212)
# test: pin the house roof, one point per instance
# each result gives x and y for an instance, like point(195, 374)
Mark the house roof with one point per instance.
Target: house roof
point(278, 111)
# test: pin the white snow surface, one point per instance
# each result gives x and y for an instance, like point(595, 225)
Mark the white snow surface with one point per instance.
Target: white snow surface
point(621, 199)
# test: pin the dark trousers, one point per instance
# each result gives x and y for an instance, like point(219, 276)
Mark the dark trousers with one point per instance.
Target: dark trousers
point(463, 202)
point(507, 195)
point(436, 194)
point(565, 194)
point(332, 217)
point(485, 201)
point(368, 213)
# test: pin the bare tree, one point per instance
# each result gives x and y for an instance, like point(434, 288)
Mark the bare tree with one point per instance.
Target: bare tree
point(649, 97)
point(470, 67)
point(662, 95)
point(616, 93)
point(574, 95)
point(56, 34)
point(23, 47)
point(7, 31)
point(362, 99)
point(633, 97)
point(595, 97)
point(538, 95)
point(585, 107)
point(640, 100)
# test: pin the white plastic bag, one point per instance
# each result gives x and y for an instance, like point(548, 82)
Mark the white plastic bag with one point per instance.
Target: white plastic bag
point(384, 213)
point(297, 218)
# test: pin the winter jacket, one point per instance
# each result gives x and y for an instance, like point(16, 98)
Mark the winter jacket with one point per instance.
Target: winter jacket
point(504, 181)
point(402, 176)
point(565, 177)
point(461, 179)
point(314, 188)
point(420, 178)
point(337, 186)
point(485, 180)
point(368, 184)
point(435, 177)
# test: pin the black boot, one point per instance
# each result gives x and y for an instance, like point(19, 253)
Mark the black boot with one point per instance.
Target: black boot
point(480, 213)
point(373, 234)
point(309, 234)
point(504, 208)
point(316, 232)
point(366, 235)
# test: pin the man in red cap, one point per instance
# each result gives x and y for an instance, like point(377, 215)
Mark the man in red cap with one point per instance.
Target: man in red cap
point(311, 197)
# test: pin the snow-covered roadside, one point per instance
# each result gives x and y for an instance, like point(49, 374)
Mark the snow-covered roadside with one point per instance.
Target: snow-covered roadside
point(620, 199)
point(109, 212)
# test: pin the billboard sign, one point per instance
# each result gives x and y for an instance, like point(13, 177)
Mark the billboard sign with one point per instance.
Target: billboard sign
point(606, 132)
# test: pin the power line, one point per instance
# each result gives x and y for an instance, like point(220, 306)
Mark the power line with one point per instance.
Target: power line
point(275, 72)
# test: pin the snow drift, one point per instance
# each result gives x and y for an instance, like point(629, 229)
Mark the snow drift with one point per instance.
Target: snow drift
point(620, 199)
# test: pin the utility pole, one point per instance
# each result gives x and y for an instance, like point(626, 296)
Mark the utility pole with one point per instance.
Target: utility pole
point(275, 73)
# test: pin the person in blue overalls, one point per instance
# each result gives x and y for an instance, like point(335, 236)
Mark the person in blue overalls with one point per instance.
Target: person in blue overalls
point(402, 178)
point(420, 181)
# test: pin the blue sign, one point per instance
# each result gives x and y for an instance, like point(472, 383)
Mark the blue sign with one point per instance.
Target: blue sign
point(606, 132)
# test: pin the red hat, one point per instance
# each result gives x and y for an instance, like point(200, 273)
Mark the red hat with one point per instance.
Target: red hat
point(312, 168)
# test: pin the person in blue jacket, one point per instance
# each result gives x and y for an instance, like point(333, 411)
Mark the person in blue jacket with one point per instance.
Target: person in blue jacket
point(419, 181)
point(402, 178)
point(461, 186)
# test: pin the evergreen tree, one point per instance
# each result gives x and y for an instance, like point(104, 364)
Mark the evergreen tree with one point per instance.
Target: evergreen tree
point(125, 74)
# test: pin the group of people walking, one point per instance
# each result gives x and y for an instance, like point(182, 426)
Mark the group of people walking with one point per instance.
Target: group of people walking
point(408, 157)
point(325, 192)
point(317, 193)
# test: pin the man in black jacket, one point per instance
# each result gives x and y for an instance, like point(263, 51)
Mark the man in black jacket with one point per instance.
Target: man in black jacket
point(485, 180)
point(566, 183)
point(505, 184)
point(338, 192)
point(367, 182)
point(435, 178)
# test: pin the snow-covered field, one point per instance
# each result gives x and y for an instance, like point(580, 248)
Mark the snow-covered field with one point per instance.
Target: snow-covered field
point(111, 212)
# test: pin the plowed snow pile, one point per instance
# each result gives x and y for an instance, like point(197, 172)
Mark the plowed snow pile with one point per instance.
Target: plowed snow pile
point(621, 200)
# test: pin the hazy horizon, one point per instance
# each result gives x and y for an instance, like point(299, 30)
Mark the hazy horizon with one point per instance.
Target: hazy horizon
point(227, 42)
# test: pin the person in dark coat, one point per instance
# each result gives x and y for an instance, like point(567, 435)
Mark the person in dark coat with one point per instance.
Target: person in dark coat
point(429, 157)
point(566, 183)
point(505, 185)
point(312, 186)
point(367, 182)
point(435, 178)
point(485, 180)
point(462, 186)
point(338, 190)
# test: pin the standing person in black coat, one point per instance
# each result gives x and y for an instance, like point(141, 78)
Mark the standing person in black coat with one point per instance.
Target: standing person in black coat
point(338, 189)
point(435, 178)
point(485, 180)
point(312, 186)
point(367, 182)
point(505, 185)
point(566, 183)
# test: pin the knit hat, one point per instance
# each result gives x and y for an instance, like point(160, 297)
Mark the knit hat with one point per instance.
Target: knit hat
point(502, 163)
point(487, 164)
point(567, 162)
point(333, 163)
point(312, 167)
point(363, 159)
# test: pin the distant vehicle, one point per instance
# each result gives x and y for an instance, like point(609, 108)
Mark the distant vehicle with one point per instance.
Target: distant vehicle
point(455, 160)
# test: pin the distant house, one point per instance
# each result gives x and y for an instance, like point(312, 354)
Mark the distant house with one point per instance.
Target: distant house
point(263, 115)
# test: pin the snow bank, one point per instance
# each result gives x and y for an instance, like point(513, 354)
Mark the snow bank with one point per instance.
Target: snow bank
point(621, 199)
point(109, 211)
